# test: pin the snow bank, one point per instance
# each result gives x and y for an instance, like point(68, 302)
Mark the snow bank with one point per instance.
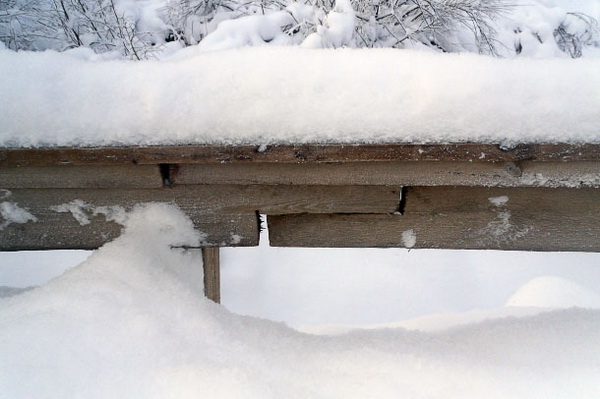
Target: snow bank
point(553, 292)
point(294, 95)
point(131, 322)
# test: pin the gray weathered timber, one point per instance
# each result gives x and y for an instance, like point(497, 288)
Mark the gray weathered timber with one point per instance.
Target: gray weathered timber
point(62, 231)
point(304, 153)
point(325, 188)
point(537, 219)
point(488, 174)
point(227, 214)
point(212, 274)
point(278, 199)
point(77, 218)
point(107, 176)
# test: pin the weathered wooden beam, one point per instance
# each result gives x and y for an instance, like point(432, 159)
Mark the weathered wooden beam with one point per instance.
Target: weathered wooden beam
point(288, 199)
point(227, 214)
point(305, 153)
point(488, 174)
point(212, 274)
point(87, 218)
point(536, 219)
point(107, 176)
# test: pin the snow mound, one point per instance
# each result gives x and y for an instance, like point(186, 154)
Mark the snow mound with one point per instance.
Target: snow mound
point(553, 292)
point(132, 322)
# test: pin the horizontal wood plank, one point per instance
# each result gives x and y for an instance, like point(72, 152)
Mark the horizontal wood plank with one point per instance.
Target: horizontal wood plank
point(62, 231)
point(488, 174)
point(536, 219)
point(109, 176)
point(226, 213)
point(305, 153)
point(279, 199)
point(81, 218)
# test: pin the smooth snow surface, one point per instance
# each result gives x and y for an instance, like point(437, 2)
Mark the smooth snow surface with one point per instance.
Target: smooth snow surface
point(554, 292)
point(131, 322)
point(308, 288)
point(294, 95)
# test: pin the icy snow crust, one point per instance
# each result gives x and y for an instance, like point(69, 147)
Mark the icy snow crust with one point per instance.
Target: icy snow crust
point(131, 322)
point(294, 95)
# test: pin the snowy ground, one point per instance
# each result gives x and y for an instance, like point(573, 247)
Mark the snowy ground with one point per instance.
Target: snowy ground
point(131, 322)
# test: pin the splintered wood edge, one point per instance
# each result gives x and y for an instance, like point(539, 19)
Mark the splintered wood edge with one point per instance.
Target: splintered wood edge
point(305, 153)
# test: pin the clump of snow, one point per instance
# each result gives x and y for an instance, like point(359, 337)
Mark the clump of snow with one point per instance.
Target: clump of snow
point(499, 201)
point(548, 28)
point(82, 211)
point(252, 30)
point(409, 238)
point(338, 29)
point(271, 95)
point(553, 292)
point(11, 212)
point(131, 321)
point(235, 239)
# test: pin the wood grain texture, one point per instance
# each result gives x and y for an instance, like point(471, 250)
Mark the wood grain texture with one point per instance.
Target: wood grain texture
point(488, 174)
point(305, 153)
point(536, 219)
point(212, 274)
point(109, 176)
point(58, 228)
point(226, 213)
point(288, 199)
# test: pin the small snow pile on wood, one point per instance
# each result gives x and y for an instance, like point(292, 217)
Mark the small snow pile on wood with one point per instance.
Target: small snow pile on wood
point(132, 322)
point(11, 212)
point(409, 238)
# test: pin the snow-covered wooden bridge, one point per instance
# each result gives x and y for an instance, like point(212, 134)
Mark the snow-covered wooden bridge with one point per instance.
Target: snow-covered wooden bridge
point(538, 197)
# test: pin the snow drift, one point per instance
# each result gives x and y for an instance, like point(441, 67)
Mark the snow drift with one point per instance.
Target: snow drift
point(553, 292)
point(131, 322)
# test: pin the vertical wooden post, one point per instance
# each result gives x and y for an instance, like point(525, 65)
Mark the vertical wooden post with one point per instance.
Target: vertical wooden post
point(212, 275)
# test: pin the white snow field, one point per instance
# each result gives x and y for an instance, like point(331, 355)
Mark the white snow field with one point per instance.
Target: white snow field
point(131, 322)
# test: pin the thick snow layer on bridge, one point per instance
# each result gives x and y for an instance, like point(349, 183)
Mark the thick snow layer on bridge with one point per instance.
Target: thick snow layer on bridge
point(295, 95)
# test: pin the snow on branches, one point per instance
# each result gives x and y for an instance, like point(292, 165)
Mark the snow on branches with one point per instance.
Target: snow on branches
point(140, 29)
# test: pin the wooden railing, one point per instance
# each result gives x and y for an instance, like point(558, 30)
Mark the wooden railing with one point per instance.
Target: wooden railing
point(542, 197)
